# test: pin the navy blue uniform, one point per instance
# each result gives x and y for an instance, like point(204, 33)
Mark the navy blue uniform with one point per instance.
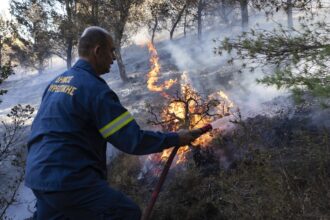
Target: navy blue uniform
point(78, 114)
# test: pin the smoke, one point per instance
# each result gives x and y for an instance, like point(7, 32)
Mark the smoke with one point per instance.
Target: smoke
point(253, 98)
point(142, 37)
point(210, 72)
point(190, 55)
point(320, 117)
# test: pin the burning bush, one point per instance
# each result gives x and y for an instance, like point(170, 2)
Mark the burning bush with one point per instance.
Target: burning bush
point(271, 167)
point(289, 181)
point(187, 110)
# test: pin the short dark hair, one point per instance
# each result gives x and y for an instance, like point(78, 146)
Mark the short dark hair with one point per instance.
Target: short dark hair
point(91, 37)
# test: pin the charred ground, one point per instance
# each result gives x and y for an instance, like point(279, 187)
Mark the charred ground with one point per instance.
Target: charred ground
point(270, 167)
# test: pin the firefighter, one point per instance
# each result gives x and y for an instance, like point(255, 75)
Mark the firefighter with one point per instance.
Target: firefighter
point(79, 113)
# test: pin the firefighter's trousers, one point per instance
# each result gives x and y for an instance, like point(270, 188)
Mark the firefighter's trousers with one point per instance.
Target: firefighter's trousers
point(94, 203)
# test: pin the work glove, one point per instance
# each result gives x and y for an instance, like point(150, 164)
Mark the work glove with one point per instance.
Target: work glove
point(186, 136)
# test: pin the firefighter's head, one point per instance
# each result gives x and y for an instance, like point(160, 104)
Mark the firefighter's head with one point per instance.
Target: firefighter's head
point(97, 47)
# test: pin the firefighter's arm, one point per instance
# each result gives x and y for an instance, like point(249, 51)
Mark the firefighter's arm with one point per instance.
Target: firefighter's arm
point(119, 128)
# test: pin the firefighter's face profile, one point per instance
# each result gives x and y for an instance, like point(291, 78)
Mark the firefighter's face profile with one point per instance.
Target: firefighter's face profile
point(105, 57)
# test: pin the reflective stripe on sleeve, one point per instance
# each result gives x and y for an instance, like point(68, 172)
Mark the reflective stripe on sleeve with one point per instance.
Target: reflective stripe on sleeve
point(116, 124)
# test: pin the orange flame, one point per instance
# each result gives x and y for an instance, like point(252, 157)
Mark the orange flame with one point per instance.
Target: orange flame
point(185, 113)
point(180, 113)
point(154, 72)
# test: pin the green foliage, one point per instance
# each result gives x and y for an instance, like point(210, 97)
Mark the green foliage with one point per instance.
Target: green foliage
point(6, 68)
point(13, 129)
point(298, 56)
point(34, 31)
point(270, 7)
point(5, 71)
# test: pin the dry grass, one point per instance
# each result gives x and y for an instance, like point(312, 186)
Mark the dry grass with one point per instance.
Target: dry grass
point(282, 176)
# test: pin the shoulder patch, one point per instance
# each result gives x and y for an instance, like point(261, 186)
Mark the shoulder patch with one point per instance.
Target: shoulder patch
point(62, 84)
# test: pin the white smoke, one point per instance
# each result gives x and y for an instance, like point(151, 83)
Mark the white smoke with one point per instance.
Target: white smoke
point(208, 70)
point(142, 37)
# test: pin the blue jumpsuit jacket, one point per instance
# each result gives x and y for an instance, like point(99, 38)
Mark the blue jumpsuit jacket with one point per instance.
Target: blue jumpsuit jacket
point(78, 114)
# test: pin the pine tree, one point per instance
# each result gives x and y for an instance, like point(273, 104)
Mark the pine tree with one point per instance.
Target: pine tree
point(159, 11)
point(271, 7)
point(67, 29)
point(34, 32)
point(5, 41)
point(115, 15)
point(299, 56)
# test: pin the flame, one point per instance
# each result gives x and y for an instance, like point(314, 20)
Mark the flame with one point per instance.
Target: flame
point(225, 104)
point(185, 111)
point(182, 154)
point(165, 154)
point(229, 103)
point(179, 112)
point(154, 72)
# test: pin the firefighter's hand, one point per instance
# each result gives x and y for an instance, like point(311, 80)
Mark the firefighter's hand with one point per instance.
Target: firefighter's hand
point(186, 136)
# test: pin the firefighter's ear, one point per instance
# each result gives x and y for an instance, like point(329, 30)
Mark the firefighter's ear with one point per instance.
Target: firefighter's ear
point(97, 50)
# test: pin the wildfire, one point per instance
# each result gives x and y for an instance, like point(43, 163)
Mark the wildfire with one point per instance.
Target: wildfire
point(190, 111)
point(186, 110)
point(154, 72)
point(229, 103)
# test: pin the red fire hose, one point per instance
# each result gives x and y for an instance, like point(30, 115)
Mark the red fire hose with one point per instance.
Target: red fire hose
point(163, 175)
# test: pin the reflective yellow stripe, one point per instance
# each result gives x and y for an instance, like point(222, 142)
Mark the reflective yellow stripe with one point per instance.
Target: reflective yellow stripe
point(116, 124)
point(119, 127)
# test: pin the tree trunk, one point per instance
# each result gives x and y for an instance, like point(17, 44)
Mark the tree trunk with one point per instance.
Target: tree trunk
point(69, 38)
point(95, 12)
point(40, 65)
point(118, 32)
point(121, 65)
point(224, 12)
point(154, 30)
point(185, 24)
point(177, 21)
point(289, 14)
point(40, 68)
point(199, 18)
point(69, 53)
point(0, 51)
point(244, 14)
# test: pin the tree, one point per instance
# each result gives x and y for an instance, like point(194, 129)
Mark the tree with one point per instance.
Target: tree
point(244, 14)
point(13, 131)
point(215, 8)
point(11, 137)
point(243, 4)
point(67, 30)
point(34, 31)
point(200, 7)
point(88, 11)
point(5, 63)
point(159, 11)
point(187, 21)
point(270, 7)
point(226, 8)
point(306, 50)
point(289, 13)
point(116, 14)
point(178, 7)
point(5, 71)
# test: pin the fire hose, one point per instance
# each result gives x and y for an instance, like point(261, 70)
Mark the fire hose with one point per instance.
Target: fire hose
point(163, 175)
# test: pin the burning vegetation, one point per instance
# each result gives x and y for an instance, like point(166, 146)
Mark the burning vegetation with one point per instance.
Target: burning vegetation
point(188, 110)
point(279, 168)
point(154, 72)
point(185, 109)
point(267, 168)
